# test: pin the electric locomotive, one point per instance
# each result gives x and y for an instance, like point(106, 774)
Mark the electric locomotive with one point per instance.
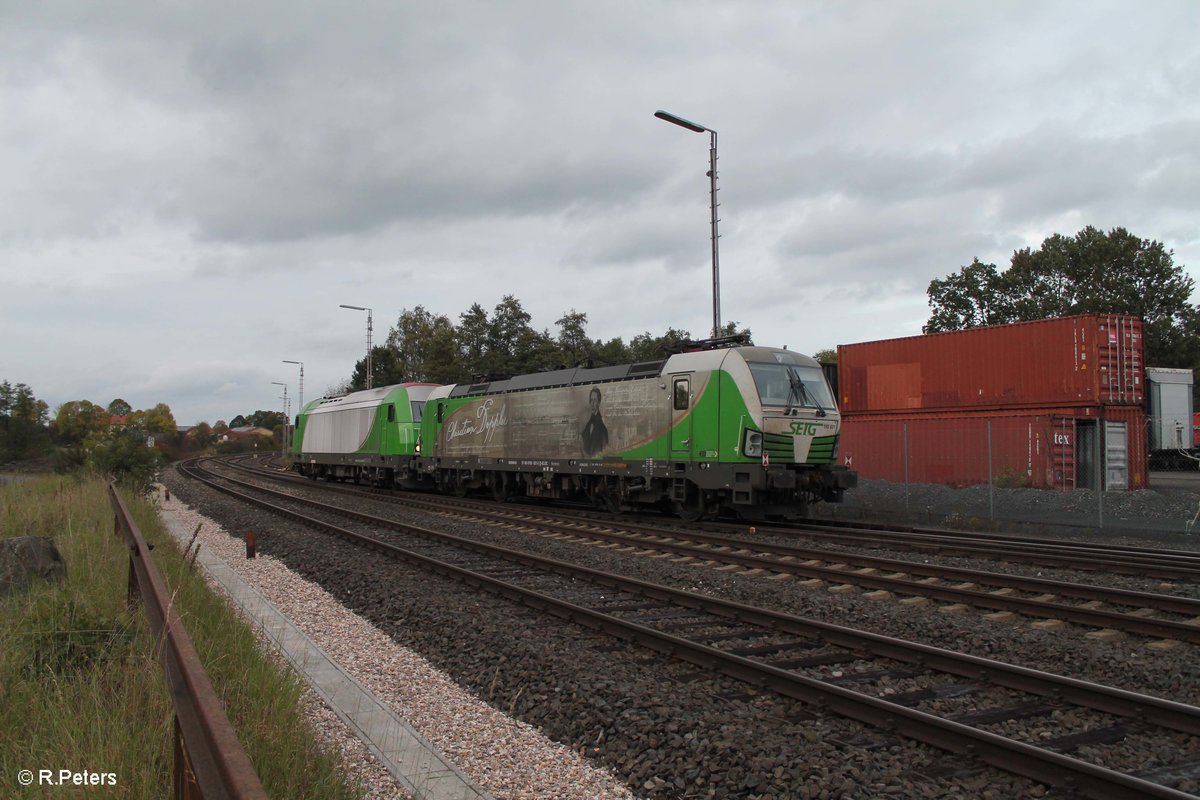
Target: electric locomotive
point(746, 430)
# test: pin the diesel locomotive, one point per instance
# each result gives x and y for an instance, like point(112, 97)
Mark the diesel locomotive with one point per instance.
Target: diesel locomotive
point(744, 430)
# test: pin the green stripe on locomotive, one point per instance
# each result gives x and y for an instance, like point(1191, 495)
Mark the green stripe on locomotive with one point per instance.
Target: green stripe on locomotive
point(372, 422)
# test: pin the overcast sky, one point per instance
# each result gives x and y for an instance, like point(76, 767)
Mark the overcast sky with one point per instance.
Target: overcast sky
point(191, 189)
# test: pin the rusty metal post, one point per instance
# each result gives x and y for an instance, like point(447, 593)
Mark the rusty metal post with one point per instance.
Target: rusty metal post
point(133, 590)
point(251, 541)
point(183, 781)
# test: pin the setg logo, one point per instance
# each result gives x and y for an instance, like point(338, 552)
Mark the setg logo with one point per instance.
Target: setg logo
point(804, 428)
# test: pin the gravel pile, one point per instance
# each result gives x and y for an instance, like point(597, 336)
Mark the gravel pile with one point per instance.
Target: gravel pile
point(665, 730)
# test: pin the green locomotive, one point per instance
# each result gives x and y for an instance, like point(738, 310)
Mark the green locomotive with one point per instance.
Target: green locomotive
point(746, 430)
point(365, 437)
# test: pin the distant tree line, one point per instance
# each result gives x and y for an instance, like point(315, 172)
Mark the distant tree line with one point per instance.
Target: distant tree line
point(427, 347)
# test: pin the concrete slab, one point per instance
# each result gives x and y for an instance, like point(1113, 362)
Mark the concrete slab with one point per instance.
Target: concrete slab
point(404, 752)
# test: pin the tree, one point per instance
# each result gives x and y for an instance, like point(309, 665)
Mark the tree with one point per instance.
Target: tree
point(508, 334)
point(119, 408)
point(826, 356)
point(127, 457)
point(386, 369)
point(473, 336)
point(1093, 272)
point(647, 347)
point(79, 420)
point(157, 420)
point(200, 436)
point(573, 342)
point(22, 422)
point(424, 347)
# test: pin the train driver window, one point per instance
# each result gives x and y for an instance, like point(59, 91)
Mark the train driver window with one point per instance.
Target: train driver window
point(682, 394)
point(441, 407)
point(392, 412)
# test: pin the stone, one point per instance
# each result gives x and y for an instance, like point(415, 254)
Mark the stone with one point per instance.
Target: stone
point(25, 559)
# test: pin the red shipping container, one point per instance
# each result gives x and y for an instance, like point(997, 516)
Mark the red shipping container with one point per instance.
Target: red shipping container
point(1091, 359)
point(1050, 448)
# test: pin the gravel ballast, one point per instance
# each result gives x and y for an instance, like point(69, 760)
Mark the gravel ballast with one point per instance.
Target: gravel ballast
point(505, 757)
point(662, 729)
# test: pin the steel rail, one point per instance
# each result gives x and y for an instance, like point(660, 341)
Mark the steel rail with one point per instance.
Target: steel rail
point(751, 556)
point(209, 757)
point(1010, 755)
point(1173, 564)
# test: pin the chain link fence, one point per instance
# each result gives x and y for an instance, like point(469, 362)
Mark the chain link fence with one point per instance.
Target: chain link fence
point(1041, 470)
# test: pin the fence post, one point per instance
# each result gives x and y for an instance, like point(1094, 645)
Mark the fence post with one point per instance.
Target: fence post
point(1102, 470)
point(991, 478)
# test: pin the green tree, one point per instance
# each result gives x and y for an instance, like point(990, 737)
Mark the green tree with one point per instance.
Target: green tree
point(425, 348)
point(157, 420)
point(473, 336)
point(1092, 272)
point(77, 421)
point(200, 436)
point(573, 342)
point(508, 335)
point(386, 369)
point(826, 356)
point(128, 456)
point(648, 347)
point(23, 421)
point(119, 408)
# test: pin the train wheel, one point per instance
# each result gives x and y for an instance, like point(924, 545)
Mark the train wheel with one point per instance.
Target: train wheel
point(500, 488)
point(692, 509)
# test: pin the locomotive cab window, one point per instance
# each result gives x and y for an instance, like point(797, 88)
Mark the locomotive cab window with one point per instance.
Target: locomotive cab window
point(418, 410)
point(392, 412)
point(441, 409)
point(792, 386)
point(682, 394)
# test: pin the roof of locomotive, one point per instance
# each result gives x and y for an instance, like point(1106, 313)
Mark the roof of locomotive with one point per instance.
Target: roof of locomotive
point(680, 362)
point(370, 398)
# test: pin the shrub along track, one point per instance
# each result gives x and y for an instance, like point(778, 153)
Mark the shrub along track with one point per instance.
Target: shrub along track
point(819, 661)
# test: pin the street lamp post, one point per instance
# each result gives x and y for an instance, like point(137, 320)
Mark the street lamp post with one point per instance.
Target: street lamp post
point(712, 182)
point(286, 417)
point(364, 308)
point(300, 401)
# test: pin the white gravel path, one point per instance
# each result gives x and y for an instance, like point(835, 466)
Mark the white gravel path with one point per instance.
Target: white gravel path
point(503, 756)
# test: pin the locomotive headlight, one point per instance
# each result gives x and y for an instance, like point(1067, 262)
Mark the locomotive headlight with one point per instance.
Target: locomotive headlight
point(752, 444)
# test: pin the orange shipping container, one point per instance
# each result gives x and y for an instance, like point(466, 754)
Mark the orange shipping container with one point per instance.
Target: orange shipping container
point(1091, 359)
point(1050, 448)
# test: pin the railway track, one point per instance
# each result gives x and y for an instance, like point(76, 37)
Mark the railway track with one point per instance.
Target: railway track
point(960, 703)
point(1168, 619)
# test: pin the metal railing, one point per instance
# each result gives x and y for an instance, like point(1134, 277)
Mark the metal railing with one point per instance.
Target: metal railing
point(209, 760)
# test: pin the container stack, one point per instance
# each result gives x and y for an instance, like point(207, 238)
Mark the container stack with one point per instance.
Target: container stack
point(1056, 403)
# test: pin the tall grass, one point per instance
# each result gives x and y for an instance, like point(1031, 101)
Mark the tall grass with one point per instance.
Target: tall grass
point(80, 685)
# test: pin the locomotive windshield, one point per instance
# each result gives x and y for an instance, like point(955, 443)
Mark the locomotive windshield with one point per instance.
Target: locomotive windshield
point(791, 386)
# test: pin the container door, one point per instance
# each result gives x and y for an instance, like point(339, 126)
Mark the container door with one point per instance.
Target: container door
point(1116, 457)
point(681, 430)
point(1087, 475)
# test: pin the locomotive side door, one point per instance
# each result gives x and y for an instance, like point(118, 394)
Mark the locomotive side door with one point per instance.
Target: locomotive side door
point(681, 418)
